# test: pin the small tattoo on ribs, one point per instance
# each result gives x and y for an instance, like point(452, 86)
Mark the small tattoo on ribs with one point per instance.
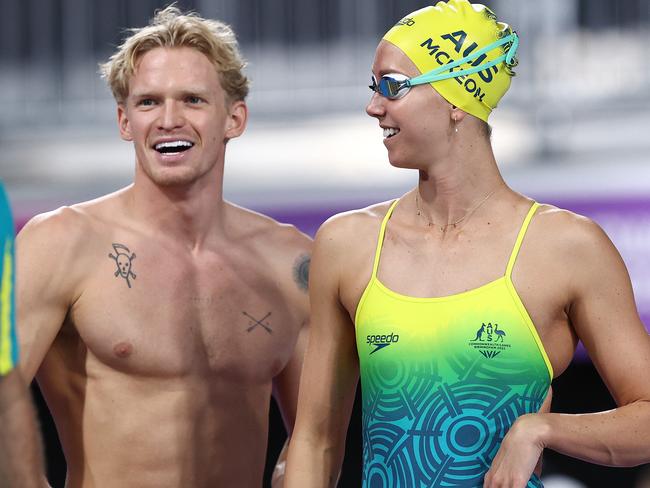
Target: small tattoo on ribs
point(253, 323)
point(301, 271)
point(124, 262)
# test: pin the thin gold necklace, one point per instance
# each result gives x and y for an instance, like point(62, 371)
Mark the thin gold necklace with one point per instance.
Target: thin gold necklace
point(444, 227)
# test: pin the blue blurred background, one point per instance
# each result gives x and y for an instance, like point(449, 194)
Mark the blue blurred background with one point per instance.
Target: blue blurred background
point(572, 131)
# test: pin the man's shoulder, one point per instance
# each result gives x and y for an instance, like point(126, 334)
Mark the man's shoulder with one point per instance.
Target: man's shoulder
point(69, 222)
point(62, 237)
point(261, 230)
point(52, 248)
point(272, 248)
point(279, 252)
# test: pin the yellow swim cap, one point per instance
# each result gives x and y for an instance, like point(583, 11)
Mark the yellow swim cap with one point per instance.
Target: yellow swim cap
point(439, 35)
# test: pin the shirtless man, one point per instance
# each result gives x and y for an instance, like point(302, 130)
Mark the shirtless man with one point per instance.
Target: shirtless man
point(160, 318)
point(20, 454)
point(458, 303)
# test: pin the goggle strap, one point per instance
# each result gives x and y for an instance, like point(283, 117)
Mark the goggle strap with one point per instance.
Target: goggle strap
point(430, 77)
point(442, 73)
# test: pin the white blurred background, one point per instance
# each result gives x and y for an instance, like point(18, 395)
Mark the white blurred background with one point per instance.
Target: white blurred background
point(574, 129)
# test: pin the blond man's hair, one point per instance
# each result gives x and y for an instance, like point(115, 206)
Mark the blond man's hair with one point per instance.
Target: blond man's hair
point(170, 28)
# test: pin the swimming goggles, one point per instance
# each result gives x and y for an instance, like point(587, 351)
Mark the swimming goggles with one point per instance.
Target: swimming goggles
point(395, 85)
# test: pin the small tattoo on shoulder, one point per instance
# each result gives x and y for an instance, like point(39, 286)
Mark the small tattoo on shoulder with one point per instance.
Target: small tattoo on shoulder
point(301, 271)
point(124, 261)
point(253, 323)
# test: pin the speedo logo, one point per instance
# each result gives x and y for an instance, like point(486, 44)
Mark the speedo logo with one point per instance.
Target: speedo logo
point(381, 341)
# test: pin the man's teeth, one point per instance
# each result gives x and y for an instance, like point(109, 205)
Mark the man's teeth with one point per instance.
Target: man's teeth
point(173, 146)
point(390, 132)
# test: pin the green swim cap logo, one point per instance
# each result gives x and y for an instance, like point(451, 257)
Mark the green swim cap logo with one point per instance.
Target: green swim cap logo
point(406, 21)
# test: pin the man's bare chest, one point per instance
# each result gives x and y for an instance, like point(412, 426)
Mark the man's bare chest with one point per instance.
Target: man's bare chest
point(156, 313)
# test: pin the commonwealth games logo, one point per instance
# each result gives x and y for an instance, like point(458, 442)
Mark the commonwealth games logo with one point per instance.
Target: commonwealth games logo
point(489, 340)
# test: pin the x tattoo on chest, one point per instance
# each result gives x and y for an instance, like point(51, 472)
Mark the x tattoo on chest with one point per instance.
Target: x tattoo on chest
point(255, 323)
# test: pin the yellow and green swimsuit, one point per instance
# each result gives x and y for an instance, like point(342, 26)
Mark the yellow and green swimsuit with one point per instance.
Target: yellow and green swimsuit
point(8, 342)
point(443, 379)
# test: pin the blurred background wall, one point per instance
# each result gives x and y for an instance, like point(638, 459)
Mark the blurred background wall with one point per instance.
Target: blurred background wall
point(572, 131)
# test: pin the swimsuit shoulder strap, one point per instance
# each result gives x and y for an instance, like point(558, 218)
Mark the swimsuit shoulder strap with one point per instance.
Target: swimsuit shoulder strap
point(520, 238)
point(380, 239)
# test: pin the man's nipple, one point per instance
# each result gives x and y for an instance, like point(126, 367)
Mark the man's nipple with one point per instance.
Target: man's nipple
point(123, 349)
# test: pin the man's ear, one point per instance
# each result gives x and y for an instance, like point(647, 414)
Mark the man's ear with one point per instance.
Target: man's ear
point(237, 119)
point(123, 123)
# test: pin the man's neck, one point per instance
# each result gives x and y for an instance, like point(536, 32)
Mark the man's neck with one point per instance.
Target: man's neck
point(188, 213)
